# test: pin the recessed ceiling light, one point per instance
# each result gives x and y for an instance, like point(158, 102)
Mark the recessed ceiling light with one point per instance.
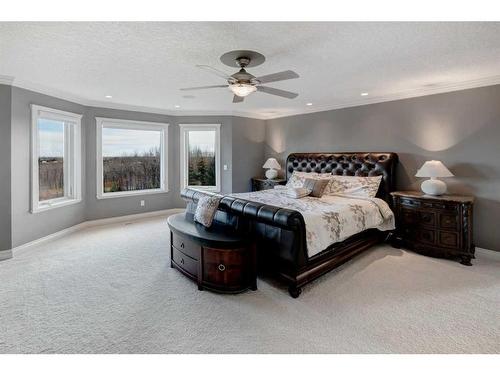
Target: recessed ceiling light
point(108, 96)
point(177, 106)
point(309, 104)
point(364, 94)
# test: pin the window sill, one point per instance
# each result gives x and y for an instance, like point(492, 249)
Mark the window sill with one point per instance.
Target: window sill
point(122, 194)
point(53, 205)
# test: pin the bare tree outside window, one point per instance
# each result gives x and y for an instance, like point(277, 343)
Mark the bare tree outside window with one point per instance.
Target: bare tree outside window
point(50, 159)
point(131, 159)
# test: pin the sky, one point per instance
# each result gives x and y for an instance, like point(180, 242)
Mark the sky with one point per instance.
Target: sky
point(203, 139)
point(51, 138)
point(116, 142)
point(121, 142)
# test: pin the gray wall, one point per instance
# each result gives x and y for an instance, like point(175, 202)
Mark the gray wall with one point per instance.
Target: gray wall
point(5, 168)
point(248, 152)
point(461, 128)
point(25, 225)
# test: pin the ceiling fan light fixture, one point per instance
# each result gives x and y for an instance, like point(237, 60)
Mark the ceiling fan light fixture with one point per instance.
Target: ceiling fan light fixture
point(242, 89)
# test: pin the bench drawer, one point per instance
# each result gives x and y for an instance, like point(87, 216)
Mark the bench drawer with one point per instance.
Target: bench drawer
point(186, 246)
point(185, 262)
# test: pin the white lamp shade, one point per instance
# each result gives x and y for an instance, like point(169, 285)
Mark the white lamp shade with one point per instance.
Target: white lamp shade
point(433, 168)
point(272, 163)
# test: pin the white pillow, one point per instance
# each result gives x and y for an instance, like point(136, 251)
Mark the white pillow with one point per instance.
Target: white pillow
point(354, 185)
point(298, 178)
point(297, 192)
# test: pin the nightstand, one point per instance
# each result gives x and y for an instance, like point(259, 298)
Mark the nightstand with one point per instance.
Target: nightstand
point(265, 184)
point(439, 226)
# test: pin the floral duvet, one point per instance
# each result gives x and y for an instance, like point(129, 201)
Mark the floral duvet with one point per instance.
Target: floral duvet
point(331, 218)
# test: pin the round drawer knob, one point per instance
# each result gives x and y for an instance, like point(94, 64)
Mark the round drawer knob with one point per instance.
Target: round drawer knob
point(182, 245)
point(182, 260)
point(222, 267)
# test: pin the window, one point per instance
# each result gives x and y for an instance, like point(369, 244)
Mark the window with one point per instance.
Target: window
point(55, 158)
point(131, 157)
point(200, 156)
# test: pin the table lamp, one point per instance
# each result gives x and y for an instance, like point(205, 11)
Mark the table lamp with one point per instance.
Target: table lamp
point(433, 169)
point(272, 166)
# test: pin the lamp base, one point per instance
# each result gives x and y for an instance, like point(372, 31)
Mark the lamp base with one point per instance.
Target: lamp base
point(433, 186)
point(271, 174)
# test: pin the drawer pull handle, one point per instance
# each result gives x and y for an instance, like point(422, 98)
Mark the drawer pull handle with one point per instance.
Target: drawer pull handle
point(182, 260)
point(182, 245)
point(222, 267)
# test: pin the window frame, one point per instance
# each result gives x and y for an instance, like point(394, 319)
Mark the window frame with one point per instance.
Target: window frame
point(102, 122)
point(72, 157)
point(184, 129)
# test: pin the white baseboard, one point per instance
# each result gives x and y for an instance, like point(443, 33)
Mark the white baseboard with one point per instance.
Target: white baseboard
point(5, 254)
point(87, 224)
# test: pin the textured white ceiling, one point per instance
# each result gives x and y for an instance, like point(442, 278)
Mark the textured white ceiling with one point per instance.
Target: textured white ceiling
point(143, 65)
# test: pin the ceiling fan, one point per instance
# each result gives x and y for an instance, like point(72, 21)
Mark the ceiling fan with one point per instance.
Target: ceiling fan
point(243, 83)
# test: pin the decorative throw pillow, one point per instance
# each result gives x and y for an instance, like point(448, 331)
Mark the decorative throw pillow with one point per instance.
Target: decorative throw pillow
point(206, 209)
point(298, 178)
point(297, 192)
point(317, 187)
point(354, 185)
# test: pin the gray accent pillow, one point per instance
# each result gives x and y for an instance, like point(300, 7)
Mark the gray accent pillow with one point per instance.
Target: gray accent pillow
point(206, 209)
point(317, 187)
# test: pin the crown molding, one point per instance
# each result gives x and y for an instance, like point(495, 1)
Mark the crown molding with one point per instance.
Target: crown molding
point(406, 94)
point(6, 80)
point(41, 89)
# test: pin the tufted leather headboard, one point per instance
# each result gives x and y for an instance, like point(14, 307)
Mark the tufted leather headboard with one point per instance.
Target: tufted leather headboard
point(349, 164)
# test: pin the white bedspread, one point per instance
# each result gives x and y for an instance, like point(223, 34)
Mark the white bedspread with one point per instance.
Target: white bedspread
point(329, 219)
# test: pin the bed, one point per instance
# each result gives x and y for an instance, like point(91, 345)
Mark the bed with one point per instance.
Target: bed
point(285, 244)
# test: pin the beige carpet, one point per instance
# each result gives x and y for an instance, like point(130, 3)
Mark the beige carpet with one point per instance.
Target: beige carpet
point(110, 290)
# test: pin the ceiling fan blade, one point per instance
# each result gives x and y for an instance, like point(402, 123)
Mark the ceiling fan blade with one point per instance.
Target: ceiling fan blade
point(215, 71)
point(275, 77)
point(278, 92)
point(203, 87)
point(238, 99)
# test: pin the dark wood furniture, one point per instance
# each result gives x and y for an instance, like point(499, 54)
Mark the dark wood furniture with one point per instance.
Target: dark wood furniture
point(280, 232)
point(439, 226)
point(265, 184)
point(217, 260)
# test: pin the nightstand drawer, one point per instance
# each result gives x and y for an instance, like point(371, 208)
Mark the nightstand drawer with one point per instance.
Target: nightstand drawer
point(410, 202)
point(427, 218)
point(448, 221)
point(414, 217)
point(426, 236)
point(440, 206)
point(448, 239)
point(409, 217)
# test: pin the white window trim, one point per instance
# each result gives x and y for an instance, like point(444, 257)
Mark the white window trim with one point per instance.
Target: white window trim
point(73, 155)
point(184, 156)
point(135, 125)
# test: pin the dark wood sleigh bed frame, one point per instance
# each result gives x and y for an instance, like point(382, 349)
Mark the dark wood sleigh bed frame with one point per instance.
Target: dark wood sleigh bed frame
point(280, 232)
